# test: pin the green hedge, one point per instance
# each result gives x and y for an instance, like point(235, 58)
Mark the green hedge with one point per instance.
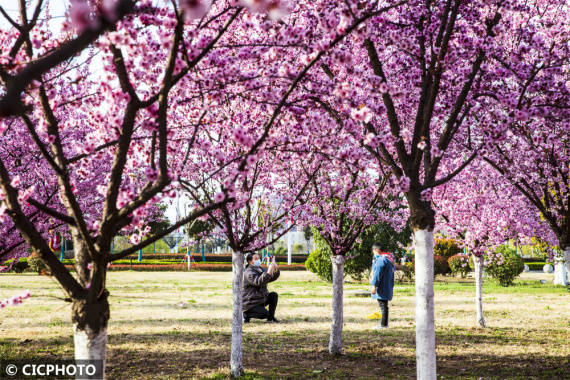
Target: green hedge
point(207, 267)
point(536, 265)
point(533, 260)
point(162, 262)
point(173, 257)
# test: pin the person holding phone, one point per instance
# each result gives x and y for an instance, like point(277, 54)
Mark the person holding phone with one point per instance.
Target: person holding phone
point(255, 294)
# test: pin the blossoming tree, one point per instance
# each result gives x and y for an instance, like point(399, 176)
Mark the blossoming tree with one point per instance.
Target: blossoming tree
point(533, 109)
point(480, 209)
point(347, 198)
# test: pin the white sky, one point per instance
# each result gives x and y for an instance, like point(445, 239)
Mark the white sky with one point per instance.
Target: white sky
point(12, 7)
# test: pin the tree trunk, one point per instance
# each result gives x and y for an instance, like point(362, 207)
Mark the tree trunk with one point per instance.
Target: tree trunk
point(567, 258)
point(91, 346)
point(90, 331)
point(478, 262)
point(289, 247)
point(236, 362)
point(335, 342)
point(560, 268)
point(425, 329)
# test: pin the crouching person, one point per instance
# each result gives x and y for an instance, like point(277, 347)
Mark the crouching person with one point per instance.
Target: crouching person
point(255, 294)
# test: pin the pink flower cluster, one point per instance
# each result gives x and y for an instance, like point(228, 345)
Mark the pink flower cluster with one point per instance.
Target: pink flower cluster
point(15, 300)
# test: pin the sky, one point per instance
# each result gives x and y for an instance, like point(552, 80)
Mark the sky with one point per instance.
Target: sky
point(12, 7)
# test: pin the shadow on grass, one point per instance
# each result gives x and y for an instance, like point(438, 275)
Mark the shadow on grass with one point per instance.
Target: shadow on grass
point(303, 354)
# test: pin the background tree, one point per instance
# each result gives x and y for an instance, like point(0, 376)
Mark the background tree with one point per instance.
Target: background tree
point(255, 219)
point(533, 109)
point(358, 267)
point(482, 211)
point(346, 201)
point(308, 234)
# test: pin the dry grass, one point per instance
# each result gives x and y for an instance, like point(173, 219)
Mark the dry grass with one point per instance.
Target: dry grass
point(152, 338)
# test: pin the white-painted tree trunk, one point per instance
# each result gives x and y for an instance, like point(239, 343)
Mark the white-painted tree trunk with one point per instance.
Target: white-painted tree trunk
point(425, 328)
point(289, 246)
point(560, 272)
point(335, 341)
point(567, 259)
point(236, 362)
point(91, 346)
point(478, 262)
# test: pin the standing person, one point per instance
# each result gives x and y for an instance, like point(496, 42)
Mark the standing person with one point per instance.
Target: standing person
point(255, 293)
point(382, 281)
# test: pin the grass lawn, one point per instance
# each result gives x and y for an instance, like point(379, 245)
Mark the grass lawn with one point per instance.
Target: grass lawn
point(150, 337)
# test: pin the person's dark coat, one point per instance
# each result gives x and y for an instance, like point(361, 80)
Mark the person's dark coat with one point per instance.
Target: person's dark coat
point(255, 280)
point(383, 278)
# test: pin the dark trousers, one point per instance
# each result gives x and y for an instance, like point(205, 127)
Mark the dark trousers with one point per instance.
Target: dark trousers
point(384, 309)
point(260, 312)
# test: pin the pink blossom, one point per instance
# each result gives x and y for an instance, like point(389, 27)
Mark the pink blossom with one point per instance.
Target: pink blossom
point(220, 196)
point(151, 174)
point(404, 184)
point(109, 8)
point(15, 181)
point(81, 15)
point(135, 239)
point(195, 9)
point(363, 114)
point(435, 151)
point(277, 10)
point(426, 195)
point(251, 159)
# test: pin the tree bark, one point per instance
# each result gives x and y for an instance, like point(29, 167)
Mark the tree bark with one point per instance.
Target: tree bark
point(335, 341)
point(90, 330)
point(236, 362)
point(425, 329)
point(478, 262)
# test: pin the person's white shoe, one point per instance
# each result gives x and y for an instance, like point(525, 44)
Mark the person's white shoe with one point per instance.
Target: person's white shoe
point(379, 327)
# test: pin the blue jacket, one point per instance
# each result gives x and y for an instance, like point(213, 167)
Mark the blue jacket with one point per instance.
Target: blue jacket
point(382, 278)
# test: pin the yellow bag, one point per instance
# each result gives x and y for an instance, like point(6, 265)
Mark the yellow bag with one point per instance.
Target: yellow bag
point(376, 315)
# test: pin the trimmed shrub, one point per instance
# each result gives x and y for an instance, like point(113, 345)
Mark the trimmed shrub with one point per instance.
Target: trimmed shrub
point(20, 266)
point(536, 265)
point(459, 264)
point(319, 262)
point(407, 272)
point(504, 265)
point(36, 264)
point(440, 265)
point(360, 262)
point(446, 248)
